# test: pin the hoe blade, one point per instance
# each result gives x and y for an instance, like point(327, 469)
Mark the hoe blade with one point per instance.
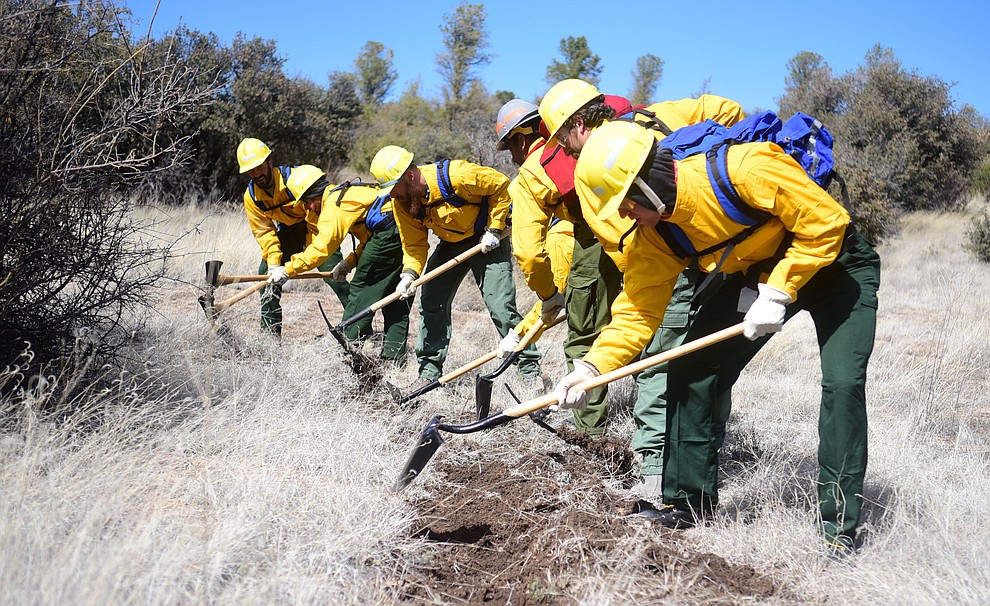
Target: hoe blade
point(483, 386)
point(427, 446)
point(483, 395)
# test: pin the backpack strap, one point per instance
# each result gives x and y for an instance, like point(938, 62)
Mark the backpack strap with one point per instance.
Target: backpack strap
point(447, 187)
point(651, 121)
point(343, 187)
point(286, 171)
point(450, 196)
point(728, 199)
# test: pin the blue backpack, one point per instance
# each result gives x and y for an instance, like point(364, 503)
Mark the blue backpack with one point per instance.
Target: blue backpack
point(802, 137)
point(376, 220)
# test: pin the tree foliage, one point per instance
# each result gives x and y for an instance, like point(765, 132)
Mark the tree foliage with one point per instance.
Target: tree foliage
point(578, 62)
point(427, 128)
point(810, 87)
point(646, 78)
point(88, 113)
point(376, 74)
point(301, 120)
point(900, 144)
point(464, 41)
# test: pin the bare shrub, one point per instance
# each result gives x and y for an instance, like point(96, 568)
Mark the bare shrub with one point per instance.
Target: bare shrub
point(83, 110)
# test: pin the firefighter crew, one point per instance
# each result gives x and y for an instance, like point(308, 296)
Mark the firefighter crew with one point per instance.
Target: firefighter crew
point(279, 226)
point(805, 256)
point(461, 203)
point(365, 212)
point(571, 110)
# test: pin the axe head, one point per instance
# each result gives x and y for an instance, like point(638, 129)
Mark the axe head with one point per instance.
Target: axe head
point(207, 300)
point(213, 273)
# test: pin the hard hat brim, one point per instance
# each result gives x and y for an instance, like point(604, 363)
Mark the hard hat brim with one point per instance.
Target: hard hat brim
point(253, 165)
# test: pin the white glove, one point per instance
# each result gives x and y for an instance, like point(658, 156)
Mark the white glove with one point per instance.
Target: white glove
point(340, 271)
point(489, 241)
point(552, 307)
point(767, 313)
point(571, 398)
point(508, 344)
point(277, 276)
point(406, 289)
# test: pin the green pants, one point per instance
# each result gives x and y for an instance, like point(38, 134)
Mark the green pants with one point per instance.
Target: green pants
point(593, 283)
point(493, 273)
point(292, 240)
point(650, 409)
point(842, 302)
point(376, 277)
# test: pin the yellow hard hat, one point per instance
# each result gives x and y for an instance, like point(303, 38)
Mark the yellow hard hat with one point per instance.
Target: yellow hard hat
point(390, 163)
point(301, 179)
point(251, 153)
point(610, 161)
point(562, 100)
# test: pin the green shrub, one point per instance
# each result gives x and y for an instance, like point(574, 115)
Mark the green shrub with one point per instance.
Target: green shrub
point(900, 142)
point(978, 237)
point(980, 182)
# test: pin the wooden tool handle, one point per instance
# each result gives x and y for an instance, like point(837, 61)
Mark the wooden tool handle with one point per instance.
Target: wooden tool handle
point(227, 280)
point(525, 408)
point(222, 305)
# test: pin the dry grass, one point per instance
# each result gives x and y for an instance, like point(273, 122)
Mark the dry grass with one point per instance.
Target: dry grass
point(235, 471)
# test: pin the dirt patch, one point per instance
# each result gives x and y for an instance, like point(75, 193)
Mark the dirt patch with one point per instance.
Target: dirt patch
point(538, 530)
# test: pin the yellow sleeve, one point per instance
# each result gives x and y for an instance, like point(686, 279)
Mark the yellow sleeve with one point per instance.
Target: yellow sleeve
point(263, 229)
point(530, 224)
point(680, 113)
point(477, 180)
point(529, 319)
point(334, 224)
point(560, 246)
point(651, 272)
point(415, 240)
point(771, 180)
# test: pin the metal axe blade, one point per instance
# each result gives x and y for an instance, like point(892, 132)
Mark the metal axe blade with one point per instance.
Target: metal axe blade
point(208, 299)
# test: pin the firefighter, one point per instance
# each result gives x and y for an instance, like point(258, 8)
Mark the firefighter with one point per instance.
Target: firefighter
point(464, 204)
point(518, 131)
point(805, 255)
point(572, 110)
point(365, 212)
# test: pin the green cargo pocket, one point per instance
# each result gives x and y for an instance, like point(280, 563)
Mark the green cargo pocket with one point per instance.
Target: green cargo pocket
point(675, 319)
point(582, 302)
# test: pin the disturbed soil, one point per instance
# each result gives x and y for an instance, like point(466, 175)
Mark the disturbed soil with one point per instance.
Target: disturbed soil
point(501, 534)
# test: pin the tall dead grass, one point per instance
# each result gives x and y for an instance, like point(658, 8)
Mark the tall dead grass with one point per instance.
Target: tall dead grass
point(232, 470)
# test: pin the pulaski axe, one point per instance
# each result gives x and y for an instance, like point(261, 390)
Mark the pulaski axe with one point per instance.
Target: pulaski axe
point(215, 280)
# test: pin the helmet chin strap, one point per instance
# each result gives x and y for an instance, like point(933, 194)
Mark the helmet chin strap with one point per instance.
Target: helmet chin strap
point(652, 195)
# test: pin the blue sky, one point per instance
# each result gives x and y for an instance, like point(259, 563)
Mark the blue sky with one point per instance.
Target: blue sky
point(742, 51)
